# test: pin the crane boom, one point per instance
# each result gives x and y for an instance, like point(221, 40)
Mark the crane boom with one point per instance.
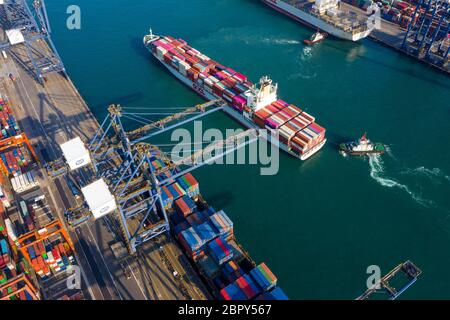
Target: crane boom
point(142, 131)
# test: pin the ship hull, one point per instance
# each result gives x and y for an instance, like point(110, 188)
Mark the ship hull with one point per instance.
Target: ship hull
point(343, 147)
point(313, 22)
point(236, 115)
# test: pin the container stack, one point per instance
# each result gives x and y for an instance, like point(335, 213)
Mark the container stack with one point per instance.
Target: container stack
point(296, 128)
point(24, 181)
point(185, 206)
point(220, 250)
point(5, 256)
point(264, 277)
point(8, 124)
point(10, 270)
point(189, 185)
point(49, 259)
point(192, 242)
point(15, 160)
point(248, 286)
point(232, 292)
point(207, 237)
point(395, 11)
point(223, 224)
point(231, 271)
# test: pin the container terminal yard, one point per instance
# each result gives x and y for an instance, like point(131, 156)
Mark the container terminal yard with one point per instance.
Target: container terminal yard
point(95, 210)
point(53, 223)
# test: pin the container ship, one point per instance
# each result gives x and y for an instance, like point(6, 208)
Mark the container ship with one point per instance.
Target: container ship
point(254, 106)
point(325, 15)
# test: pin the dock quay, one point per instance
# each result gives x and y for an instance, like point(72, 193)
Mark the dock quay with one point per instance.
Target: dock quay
point(50, 115)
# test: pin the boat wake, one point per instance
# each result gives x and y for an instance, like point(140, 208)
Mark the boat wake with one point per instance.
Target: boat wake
point(281, 41)
point(248, 36)
point(378, 174)
point(307, 54)
point(435, 174)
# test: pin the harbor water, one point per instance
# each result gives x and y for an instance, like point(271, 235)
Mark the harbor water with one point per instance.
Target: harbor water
point(318, 224)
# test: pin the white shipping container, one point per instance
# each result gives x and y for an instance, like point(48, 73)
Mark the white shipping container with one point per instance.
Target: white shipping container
point(214, 79)
point(160, 51)
point(10, 229)
point(209, 82)
point(14, 183)
point(23, 182)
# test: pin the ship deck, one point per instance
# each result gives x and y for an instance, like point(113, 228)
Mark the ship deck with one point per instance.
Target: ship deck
point(345, 20)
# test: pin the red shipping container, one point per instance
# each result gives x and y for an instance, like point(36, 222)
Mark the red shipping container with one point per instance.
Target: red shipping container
point(245, 287)
point(182, 207)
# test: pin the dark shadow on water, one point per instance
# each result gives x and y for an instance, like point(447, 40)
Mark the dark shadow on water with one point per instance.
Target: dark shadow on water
point(138, 46)
point(221, 200)
point(407, 71)
point(334, 139)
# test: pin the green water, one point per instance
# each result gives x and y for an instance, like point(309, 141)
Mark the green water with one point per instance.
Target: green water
point(318, 224)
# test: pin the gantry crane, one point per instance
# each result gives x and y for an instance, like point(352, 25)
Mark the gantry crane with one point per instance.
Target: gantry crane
point(427, 34)
point(20, 283)
point(52, 229)
point(124, 160)
point(32, 23)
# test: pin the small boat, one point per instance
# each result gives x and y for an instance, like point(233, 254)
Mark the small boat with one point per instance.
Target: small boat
point(315, 38)
point(362, 147)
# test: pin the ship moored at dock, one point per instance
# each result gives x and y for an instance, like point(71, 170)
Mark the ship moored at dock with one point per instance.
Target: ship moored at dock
point(254, 106)
point(325, 15)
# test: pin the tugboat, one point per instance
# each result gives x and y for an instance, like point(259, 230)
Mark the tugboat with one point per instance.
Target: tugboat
point(315, 38)
point(361, 147)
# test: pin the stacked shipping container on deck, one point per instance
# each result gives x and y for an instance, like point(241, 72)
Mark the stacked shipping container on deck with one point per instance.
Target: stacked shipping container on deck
point(297, 129)
point(207, 237)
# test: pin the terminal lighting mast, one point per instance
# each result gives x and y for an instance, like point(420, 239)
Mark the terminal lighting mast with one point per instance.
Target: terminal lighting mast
point(30, 28)
point(428, 34)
